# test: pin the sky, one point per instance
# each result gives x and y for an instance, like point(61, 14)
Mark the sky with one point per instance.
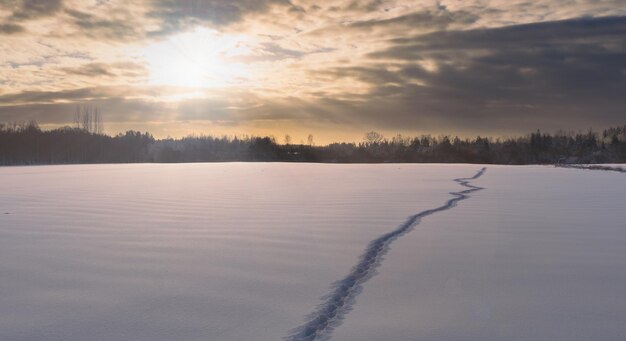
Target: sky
point(334, 69)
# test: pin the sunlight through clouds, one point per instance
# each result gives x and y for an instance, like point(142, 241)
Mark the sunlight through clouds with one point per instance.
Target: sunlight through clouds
point(336, 68)
point(197, 59)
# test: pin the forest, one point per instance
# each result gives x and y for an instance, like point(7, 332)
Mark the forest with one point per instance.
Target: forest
point(27, 144)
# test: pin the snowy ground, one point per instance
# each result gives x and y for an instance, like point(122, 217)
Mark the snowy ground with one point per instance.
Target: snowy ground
point(246, 251)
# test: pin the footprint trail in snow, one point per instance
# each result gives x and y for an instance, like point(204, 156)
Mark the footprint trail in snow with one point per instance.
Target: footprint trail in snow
point(320, 324)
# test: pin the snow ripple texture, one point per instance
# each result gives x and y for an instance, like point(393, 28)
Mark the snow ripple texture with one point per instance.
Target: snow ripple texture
point(329, 314)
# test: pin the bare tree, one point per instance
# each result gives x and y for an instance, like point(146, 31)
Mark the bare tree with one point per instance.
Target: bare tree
point(77, 117)
point(89, 119)
point(97, 122)
point(310, 140)
point(372, 138)
point(287, 139)
point(86, 118)
point(400, 140)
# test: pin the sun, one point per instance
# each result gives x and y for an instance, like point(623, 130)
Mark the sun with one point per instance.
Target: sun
point(197, 59)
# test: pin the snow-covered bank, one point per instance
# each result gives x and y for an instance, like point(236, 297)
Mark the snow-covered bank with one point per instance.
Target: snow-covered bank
point(234, 251)
point(614, 168)
point(538, 255)
point(244, 251)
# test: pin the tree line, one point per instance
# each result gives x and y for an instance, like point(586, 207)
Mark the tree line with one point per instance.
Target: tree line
point(27, 144)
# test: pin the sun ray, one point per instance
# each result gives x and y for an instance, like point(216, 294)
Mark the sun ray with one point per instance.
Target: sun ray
point(196, 59)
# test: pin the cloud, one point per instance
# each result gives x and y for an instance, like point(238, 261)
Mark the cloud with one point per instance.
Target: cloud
point(26, 10)
point(558, 73)
point(365, 6)
point(134, 113)
point(180, 15)
point(122, 28)
point(428, 19)
point(86, 94)
point(570, 32)
point(337, 65)
point(30, 9)
point(31, 97)
point(9, 28)
point(91, 70)
point(119, 69)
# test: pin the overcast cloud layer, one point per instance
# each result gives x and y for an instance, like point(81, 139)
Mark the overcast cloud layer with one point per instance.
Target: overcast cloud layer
point(333, 68)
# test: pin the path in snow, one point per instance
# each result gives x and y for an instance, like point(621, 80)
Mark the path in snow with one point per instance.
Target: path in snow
point(338, 302)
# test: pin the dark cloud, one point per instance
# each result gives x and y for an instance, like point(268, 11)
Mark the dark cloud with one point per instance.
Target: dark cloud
point(126, 69)
point(279, 52)
point(120, 106)
point(438, 20)
point(365, 6)
point(566, 33)
point(373, 75)
point(104, 28)
point(79, 94)
point(271, 51)
point(91, 70)
point(29, 9)
point(26, 10)
point(114, 110)
point(26, 97)
point(562, 74)
point(180, 15)
point(556, 74)
point(422, 21)
point(9, 28)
